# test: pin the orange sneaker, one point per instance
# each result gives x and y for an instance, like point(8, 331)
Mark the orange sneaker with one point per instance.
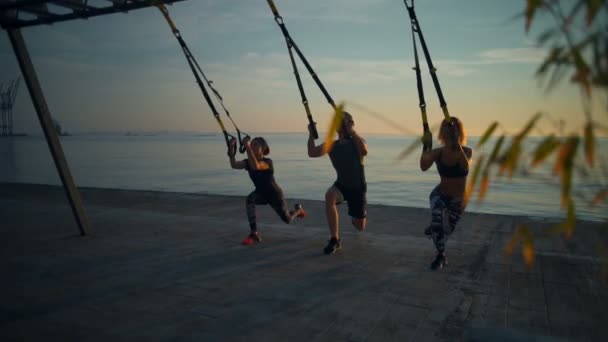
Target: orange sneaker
point(252, 238)
point(302, 212)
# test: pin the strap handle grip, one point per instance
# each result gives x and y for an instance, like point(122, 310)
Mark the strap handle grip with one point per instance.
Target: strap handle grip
point(273, 8)
point(165, 12)
point(242, 147)
point(313, 128)
point(231, 144)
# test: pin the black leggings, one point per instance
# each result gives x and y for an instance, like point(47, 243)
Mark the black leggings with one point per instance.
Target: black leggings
point(277, 202)
point(445, 214)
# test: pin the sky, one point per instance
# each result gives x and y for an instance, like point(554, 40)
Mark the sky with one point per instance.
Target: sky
point(126, 72)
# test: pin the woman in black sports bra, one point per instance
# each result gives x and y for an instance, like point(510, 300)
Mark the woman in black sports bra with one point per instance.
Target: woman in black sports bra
point(267, 191)
point(453, 161)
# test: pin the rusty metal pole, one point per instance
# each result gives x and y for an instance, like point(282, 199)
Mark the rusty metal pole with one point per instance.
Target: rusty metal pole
point(52, 139)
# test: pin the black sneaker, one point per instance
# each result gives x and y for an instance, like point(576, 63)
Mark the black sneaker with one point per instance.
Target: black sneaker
point(333, 245)
point(439, 262)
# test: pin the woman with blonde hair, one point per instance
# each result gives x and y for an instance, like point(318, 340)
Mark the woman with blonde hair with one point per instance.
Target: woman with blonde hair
point(453, 161)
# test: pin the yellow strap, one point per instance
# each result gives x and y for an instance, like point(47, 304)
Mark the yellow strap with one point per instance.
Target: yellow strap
point(336, 122)
point(165, 12)
point(273, 8)
point(219, 121)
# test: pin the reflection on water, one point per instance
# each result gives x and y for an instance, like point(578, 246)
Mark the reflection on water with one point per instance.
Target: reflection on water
point(198, 163)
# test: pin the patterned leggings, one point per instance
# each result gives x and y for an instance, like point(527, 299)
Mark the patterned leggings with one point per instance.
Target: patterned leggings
point(445, 214)
point(277, 203)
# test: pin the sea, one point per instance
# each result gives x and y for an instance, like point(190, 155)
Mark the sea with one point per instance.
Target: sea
point(197, 163)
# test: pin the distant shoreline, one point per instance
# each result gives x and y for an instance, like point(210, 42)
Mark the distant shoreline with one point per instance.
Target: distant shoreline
point(15, 135)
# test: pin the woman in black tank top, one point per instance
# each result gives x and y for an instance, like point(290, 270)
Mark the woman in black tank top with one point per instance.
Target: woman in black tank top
point(267, 191)
point(453, 161)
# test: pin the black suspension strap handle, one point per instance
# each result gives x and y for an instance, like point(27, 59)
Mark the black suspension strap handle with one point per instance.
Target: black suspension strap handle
point(242, 147)
point(292, 45)
point(432, 70)
point(421, 101)
point(232, 148)
point(427, 139)
point(311, 122)
point(220, 99)
point(192, 63)
point(229, 138)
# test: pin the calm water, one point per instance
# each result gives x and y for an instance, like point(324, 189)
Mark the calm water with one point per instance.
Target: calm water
point(198, 163)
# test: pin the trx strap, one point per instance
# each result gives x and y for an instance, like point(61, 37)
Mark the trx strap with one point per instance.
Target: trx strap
point(416, 29)
point(291, 44)
point(421, 102)
point(194, 66)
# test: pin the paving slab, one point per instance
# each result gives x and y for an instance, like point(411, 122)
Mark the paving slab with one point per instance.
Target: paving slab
point(161, 266)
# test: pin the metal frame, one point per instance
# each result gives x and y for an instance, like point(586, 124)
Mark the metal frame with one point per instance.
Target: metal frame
point(24, 13)
point(39, 12)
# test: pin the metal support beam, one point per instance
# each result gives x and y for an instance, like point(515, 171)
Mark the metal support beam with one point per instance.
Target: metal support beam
point(10, 19)
point(7, 5)
point(52, 139)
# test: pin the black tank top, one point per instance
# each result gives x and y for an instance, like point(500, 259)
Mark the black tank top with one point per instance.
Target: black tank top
point(349, 166)
point(264, 179)
point(450, 171)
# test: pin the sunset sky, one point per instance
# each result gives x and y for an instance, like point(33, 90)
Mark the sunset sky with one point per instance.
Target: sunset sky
point(126, 71)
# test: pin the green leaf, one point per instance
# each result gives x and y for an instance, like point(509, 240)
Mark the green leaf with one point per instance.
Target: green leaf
point(526, 130)
point(487, 134)
point(554, 57)
point(484, 184)
point(544, 149)
point(515, 240)
point(408, 150)
point(593, 7)
point(599, 197)
point(567, 162)
point(589, 144)
point(531, 7)
point(522, 236)
point(473, 179)
point(528, 252)
point(496, 149)
point(485, 178)
point(582, 74)
point(565, 152)
point(574, 12)
point(528, 246)
point(510, 159)
point(545, 36)
point(567, 227)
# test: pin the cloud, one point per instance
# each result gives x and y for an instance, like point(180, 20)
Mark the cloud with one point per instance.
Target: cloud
point(513, 55)
point(342, 11)
point(232, 15)
point(274, 70)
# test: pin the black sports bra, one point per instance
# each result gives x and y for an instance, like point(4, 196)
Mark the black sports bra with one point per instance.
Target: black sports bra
point(450, 171)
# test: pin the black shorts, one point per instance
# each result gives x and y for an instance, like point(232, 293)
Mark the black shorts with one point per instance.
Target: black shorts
point(356, 200)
